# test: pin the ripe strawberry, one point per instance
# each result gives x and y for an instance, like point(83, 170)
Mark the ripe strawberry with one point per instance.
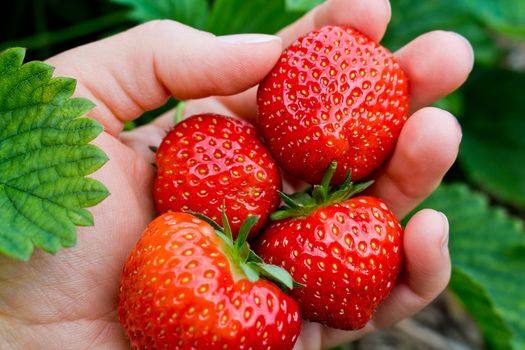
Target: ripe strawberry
point(209, 160)
point(334, 95)
point(347, 252)
point(185, 286)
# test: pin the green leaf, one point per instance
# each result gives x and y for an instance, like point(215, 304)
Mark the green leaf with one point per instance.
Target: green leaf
point(250, 271)
point(493, 149)
point(290, 201)
point(412, 18)
point(487, 272)
point(208, 220)
point(253, 16)
point(474, 297)
point(505, 16)
point(44, 158)
point(226, 223)
point(302, 5)
point(225, 239)
point(454, 103)
point(189, 12)
point(244, 230)
point(276, 274)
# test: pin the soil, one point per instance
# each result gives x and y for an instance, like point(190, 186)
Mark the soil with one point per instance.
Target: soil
point(444, 325)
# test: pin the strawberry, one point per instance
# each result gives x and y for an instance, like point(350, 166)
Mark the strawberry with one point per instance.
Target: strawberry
point(334, 95)
point(188, 285)
point(346, 251)
point(208, 161)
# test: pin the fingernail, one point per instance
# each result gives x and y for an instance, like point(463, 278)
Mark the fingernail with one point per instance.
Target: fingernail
point(469, 47)
point(444, 239)
point(248, 38)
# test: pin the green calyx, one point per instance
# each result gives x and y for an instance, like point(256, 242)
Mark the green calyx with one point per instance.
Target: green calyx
point(243, 260)
point(318, 196)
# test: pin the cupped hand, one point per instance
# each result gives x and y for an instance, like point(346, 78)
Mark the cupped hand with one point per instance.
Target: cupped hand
point(69, 301)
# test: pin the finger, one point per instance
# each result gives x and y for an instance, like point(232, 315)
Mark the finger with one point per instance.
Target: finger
point(436, 64)
point(426, 271)
point(137, 70)
point(426, 274)
point(371, 17)
point(315, 336)
point(427, 147)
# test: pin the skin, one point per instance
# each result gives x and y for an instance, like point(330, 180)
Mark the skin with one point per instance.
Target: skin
point(69, 301)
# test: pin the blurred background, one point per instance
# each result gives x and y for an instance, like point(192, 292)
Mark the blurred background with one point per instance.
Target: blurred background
point(483, 194)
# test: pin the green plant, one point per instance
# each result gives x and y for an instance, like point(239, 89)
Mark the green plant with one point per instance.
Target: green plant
point(45, 157)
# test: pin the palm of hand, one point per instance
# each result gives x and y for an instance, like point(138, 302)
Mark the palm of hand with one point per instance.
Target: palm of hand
point(69, 301)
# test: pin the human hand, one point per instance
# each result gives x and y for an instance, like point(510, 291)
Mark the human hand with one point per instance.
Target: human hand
point(69, 301)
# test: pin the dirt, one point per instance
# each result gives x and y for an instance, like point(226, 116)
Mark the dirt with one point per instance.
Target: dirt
point(444, 325)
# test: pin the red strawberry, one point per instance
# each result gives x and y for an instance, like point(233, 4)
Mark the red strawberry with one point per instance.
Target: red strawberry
point(185, 286)
point(347, 252)
point(209, 160)
point(334, 95)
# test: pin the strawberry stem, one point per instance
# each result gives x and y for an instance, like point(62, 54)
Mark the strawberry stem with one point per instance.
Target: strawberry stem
point(179, 111)
point(243, 260)
point(301, 204)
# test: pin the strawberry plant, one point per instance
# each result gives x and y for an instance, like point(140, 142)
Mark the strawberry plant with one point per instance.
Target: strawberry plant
point(44, 158)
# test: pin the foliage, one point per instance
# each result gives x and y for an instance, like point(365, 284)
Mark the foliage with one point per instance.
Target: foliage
point(237, 16)
point(45, 157)
point(493, 148)
point(190, 12)
point(486, 246)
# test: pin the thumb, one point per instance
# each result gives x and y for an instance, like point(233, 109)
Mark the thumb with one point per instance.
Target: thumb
point(139, 69)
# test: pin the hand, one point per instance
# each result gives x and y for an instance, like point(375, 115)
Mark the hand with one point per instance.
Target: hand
point(69, 301)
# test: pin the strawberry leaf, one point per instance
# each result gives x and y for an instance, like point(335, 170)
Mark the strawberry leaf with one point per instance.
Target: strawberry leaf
point(250, 271)
point(237, 16)
point(487, 268)
point(493, 148)
point(190, 12)
point(505, 16)
point(277, 274)
point(44, 158)
point(413, 18)
point(302, 5)
point(244, 230)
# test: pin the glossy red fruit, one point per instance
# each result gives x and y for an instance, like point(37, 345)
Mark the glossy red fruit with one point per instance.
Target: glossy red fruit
point(334, 95)
point(209, 160)
point(348, 255)
point(185, 287)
